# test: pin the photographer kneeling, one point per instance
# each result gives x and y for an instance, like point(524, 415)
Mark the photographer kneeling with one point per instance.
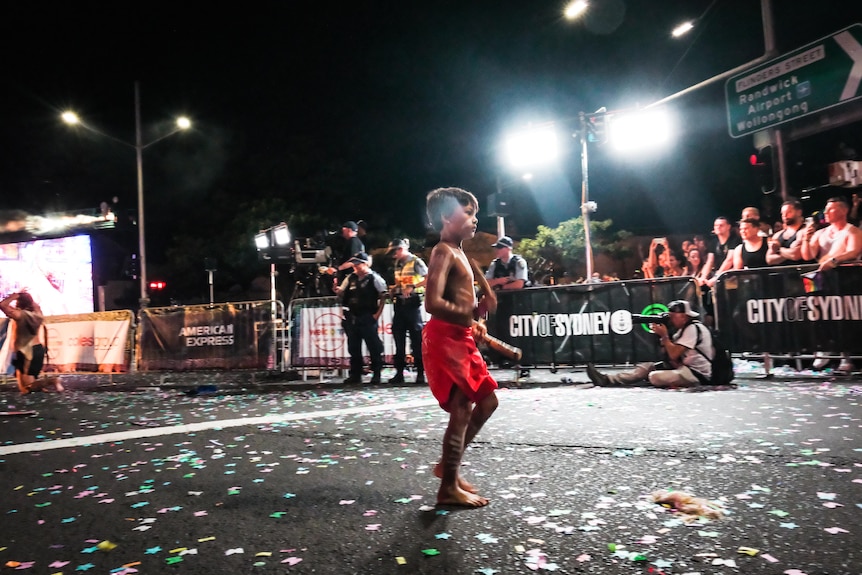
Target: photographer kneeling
point(688, 354)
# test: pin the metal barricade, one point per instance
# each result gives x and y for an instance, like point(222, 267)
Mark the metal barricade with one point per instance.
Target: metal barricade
point(229, 335)
point(791, 310)
point(577, 323)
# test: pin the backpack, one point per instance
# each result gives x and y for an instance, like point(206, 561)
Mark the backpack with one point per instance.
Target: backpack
point(722, 363)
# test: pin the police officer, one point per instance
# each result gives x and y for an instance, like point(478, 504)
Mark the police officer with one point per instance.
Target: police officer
point(363, 294)
point(508, 270)
point(407, 293)
point(352, 245)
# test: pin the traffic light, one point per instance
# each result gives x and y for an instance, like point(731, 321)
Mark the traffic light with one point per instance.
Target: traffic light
point(764, 168)
point(157, 285)
point(597, 128)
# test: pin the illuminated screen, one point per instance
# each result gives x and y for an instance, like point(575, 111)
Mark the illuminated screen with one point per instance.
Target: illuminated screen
point(58, 273)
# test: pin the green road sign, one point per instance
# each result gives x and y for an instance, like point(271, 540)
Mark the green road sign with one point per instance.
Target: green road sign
point(817, 76)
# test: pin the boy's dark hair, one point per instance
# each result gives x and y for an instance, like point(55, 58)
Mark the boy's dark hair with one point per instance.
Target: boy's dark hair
point(443, 201)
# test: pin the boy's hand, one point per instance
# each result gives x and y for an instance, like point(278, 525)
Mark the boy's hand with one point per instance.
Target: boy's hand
point(488, 302)
point(479, 330)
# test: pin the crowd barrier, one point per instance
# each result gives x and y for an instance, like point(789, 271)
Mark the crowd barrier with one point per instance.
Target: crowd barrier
point(549, 322)
point(217, 336)
point(788, 310)
point(87, 342)
point(791, 310)
point(317, 338)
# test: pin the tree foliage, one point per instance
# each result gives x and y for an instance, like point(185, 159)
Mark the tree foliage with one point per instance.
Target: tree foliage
point(563, 248)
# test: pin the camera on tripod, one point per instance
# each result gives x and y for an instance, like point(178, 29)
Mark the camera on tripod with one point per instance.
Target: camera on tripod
point(662, 318)
point(308, 251)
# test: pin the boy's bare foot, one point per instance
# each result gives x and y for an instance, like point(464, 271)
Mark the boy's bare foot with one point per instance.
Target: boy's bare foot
point(462, 483)
point(458, 496)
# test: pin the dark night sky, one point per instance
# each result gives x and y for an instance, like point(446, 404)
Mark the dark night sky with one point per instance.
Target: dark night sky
point(368, 105)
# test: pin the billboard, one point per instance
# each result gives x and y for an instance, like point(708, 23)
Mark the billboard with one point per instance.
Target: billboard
point(57, 272)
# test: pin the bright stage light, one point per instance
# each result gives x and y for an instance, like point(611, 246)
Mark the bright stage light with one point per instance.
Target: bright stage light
point(575, 9)
point(682, 29)
point(640, 130)
point(533, 147)
point(261, 240)
point(281, 235)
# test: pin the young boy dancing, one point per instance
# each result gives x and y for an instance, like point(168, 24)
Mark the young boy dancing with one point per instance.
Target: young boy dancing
point(456, 372)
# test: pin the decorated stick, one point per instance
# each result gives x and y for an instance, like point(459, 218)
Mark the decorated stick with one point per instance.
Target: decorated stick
point(500, 346)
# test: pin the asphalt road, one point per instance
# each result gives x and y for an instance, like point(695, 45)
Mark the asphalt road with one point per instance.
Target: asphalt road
point(325, 478)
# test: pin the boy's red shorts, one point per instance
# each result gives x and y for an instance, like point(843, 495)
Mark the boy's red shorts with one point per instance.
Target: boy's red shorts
point(451, 358)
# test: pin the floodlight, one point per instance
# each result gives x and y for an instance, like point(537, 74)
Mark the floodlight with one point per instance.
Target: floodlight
point(575, 8)
point(261, 240)
point(533, 147)
point(682, 29)
point(640, 130)
point(281, 235)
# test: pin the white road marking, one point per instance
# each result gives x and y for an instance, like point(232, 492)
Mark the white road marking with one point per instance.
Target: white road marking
point(206, 425)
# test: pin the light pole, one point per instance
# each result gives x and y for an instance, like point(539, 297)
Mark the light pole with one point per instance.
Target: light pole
point(625, 131)
point(182, 123)
point(586, 205)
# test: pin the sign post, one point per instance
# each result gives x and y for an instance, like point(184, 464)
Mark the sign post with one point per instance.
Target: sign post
point(817, 76)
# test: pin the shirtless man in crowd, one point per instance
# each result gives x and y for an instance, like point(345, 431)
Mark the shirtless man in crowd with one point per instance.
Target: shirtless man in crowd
point(835, 244)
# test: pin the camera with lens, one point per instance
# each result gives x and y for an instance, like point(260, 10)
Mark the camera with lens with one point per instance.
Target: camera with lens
point(662, 318)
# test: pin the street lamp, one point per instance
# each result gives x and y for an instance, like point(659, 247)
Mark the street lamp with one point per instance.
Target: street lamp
point(575, 9)
point(624, 131)
point(182, 123)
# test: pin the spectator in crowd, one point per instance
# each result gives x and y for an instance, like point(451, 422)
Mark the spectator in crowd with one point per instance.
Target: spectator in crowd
point(407, 295)
point(696, 266)
point(751, 253)
point(855, 210)
point(657, 259)
point(689, 352)
point(363, 294)
point(785, 245)
point(508, 270)
point(752, 213)
point(725, 242)
point(674, 266)
point(700, 244)
point(838, 242)
point(28, 337)
point(686, 245)
point(663, 261)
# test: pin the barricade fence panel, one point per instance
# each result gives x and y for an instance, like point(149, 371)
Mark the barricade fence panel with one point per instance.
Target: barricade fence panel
point(791, 310)
point(218, 336)
point(317, 337)
point(99, 342)
point(577, 323)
